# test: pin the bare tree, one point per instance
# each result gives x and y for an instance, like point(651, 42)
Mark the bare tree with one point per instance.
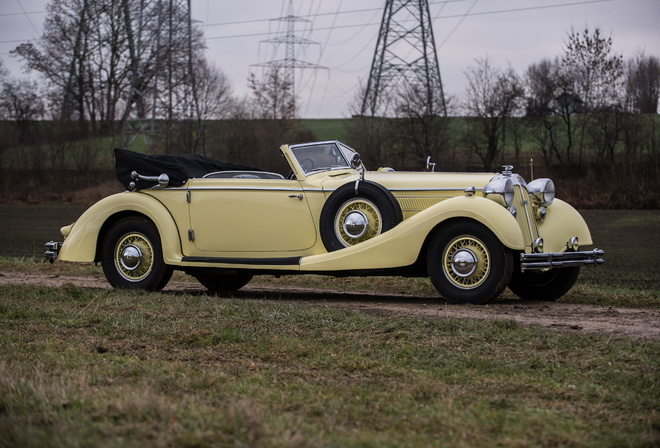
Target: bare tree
point(420, 128)
point(216, 97)
point(21, 103)
point(552, 109)
point(272, 96)
point(643, 83)
point(598, 77)
point(492, 97)
point(598, 73)
point(102, 59)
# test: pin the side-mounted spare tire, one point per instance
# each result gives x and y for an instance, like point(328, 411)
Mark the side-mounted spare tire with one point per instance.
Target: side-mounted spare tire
point(356, 212)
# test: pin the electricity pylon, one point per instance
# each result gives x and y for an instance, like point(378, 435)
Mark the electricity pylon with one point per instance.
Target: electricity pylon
point(405, 60)
point(172, 88)
point(290, 40)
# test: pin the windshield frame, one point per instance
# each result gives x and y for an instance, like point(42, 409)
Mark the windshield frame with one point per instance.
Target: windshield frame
point(322, 156)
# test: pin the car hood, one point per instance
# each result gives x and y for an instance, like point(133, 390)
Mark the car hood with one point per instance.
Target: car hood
point(402, 181)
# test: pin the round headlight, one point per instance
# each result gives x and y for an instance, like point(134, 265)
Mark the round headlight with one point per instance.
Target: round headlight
point(502, 186)
point(543, 190)
point(508, 192)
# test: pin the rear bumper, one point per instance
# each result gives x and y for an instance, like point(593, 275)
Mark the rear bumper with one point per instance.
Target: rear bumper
point(529, 262)
point(53, 249)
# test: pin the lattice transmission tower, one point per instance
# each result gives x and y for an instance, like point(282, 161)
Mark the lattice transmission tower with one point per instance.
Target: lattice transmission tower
point(405, 60)
point(163, 102)
point(289, 63)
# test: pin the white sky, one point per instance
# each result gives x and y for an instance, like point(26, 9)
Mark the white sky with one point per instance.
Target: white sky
point(516, 32)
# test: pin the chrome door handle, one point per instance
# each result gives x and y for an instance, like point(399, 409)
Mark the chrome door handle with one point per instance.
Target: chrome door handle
point(299, 196)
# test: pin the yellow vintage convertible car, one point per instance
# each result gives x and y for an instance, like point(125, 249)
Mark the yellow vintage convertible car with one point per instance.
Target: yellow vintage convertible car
point(472, 234)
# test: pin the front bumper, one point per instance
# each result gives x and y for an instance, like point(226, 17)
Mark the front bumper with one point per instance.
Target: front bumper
point(53, 249)
point(535, 261)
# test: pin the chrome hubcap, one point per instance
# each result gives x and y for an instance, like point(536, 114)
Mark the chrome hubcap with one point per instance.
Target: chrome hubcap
point(134, 257)
point(130, 257)
point(356, 224)
point(357, 220)
point(464, 262)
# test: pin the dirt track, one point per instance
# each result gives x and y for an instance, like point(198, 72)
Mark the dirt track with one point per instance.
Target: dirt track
point(631, 322)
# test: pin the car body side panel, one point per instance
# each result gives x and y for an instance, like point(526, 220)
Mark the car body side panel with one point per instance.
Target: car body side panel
point(249, 216)
point(81, 243)
point(401, 246)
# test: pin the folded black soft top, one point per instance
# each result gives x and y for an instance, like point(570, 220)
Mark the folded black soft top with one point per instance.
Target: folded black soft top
point(179, 168)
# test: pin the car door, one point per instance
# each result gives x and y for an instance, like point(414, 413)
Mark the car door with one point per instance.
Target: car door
point(249, 216)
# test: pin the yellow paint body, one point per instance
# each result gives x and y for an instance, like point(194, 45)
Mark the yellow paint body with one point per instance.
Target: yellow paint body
point(247, 223)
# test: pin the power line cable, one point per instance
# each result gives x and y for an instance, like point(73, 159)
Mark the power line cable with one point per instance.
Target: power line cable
point(34, 28)
point(453, 16)
point(22, 13)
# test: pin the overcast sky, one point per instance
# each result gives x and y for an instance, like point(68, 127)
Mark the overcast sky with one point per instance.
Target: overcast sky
point(516, 32)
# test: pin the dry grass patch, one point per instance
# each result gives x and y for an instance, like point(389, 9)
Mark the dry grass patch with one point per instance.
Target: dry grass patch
point(84, 367)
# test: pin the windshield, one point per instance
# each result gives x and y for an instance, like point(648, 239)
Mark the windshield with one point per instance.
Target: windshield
point(322, 156)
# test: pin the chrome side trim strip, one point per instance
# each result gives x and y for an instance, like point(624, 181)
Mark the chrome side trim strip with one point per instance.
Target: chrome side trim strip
point(459, 190)
point(239, 188)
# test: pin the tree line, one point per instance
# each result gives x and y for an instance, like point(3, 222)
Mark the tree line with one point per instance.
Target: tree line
point(586, 102)
point(113, 70)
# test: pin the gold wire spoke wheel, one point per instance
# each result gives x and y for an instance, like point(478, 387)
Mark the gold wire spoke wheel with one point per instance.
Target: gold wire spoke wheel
point(356, 212)
point(134, 257)
point(357, 220)
point(466, 262)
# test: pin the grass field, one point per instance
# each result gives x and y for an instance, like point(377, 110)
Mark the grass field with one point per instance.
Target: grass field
point(90, 367)
point(85, 367)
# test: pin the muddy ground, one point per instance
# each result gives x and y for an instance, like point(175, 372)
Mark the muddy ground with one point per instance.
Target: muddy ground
point(566, 317)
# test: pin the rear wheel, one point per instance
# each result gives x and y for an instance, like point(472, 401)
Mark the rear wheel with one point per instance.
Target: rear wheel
point(468, 264)
point(543, 285)
point(132, 256)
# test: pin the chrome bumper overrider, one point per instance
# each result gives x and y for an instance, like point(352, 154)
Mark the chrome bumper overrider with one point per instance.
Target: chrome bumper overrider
point(53, 249)
point(530, 262)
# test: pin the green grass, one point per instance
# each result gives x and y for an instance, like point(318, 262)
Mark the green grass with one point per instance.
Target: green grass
point(327, 129)
point(86, 367)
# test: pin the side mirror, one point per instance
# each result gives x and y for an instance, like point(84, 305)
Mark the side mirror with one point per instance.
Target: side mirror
point(356, 161)
point(356, 164)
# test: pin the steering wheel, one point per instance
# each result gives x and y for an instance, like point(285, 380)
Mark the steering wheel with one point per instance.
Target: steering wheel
point(306, 164)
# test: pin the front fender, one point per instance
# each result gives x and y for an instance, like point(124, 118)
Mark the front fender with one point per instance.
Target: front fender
point(402, 245)
point(81, 243)
point(562, 222)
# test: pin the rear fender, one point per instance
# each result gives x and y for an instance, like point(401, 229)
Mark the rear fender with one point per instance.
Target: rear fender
point(86, 236)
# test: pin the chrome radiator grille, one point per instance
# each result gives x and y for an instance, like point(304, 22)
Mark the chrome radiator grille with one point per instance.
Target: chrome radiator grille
point(525, 216)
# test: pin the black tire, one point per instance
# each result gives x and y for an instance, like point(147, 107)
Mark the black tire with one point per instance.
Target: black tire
point(224, 282)
point(467, 264)
point(350, 217)
point(543, 285)
point(132, 256)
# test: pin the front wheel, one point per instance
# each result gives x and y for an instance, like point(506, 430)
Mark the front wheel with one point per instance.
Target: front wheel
point(132, 256)
point(467, 264)
point(543, 285)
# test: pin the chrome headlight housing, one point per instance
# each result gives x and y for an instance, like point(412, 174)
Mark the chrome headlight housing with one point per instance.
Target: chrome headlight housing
point(542, 190)
point(502, 186)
